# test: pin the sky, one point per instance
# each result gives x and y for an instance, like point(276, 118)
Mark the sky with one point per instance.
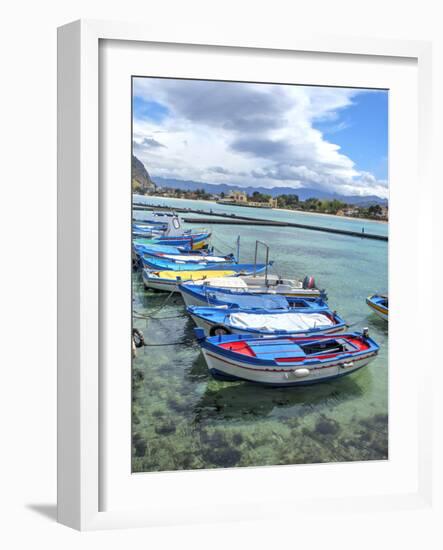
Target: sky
point(263, 135)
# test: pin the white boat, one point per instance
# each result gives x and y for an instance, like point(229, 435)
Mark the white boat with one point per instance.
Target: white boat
point(270, 284)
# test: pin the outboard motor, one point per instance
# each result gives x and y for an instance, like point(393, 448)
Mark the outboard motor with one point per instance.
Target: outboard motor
point(308, 282)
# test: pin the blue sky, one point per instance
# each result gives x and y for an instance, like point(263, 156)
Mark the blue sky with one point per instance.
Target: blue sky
point(362, 132)
point(263, 135)
point(151, 110)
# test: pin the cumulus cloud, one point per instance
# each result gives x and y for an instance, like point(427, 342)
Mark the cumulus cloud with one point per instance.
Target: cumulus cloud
point(249, 134)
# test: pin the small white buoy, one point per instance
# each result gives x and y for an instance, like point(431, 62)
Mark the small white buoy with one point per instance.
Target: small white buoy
point(301, 373)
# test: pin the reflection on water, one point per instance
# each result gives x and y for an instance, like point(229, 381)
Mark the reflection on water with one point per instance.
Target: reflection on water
point(184, 419)
point(247, 401)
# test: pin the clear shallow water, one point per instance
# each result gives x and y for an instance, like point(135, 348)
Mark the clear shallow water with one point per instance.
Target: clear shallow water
point(183, 419)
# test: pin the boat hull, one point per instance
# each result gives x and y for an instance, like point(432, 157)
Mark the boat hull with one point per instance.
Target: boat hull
point(194, 295)
point(206, 326)
point(227, 369)
point(190, 299)
point(378, 309)
point(290, 288)
point(195, 242)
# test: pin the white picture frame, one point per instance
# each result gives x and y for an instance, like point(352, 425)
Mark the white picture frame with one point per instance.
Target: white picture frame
point(81, 212)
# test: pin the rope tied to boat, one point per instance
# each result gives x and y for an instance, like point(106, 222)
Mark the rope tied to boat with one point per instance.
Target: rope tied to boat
point(140, 340)
point(151, 315)
point(178, 343)
point(137, 315)
point(217, 238)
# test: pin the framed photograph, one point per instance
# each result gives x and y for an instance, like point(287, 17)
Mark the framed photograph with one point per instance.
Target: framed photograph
point(232, 225)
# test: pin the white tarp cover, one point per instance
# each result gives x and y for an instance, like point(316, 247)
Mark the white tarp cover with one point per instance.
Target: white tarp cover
point(223, 282)
point(290, 322)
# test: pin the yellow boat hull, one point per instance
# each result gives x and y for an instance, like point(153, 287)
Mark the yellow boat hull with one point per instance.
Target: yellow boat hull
point(198, 246)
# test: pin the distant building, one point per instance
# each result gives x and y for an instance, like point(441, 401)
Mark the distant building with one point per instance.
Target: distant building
point(236, 196)
point(352, 211)
point(239, 198)
point(273, 203)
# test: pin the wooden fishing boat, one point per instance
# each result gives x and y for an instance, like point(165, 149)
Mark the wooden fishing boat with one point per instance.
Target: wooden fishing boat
point(194, 241)
point(283, 361)
point(183, 265)
point(270, 284)
point(190, 257)
point(224, 320)
point(202, 295)
point(169, 280)
point(172, 233)
point(184, 262)
point(143, 246)
point(379, 304)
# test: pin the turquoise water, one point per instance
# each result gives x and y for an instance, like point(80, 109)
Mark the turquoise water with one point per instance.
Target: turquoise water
point(183, 419)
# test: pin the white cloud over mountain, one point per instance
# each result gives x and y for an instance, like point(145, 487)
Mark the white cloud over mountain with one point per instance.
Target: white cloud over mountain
point(247, 134)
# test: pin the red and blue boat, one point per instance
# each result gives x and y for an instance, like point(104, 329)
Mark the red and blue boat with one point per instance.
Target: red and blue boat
point(282, 361)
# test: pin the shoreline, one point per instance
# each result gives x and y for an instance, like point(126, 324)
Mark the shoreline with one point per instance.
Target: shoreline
point(276, 209)
point(330, 215)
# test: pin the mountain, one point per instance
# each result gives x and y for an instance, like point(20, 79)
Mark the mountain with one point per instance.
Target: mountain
point(302, 192)
point(141, 180)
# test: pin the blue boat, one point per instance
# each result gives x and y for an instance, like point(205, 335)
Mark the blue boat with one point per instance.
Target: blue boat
point(379, 303)
point(148, 229)
point(187, 257)
point(225, 320)
point(157, 264)
point(193, 241)
point(172, 233)
point(282, 361)
point(201, 295)
point(141, 246)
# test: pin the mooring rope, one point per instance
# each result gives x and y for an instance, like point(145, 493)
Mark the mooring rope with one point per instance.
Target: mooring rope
point(216, 237)
point(179, 342)
point(142, 316)
point(151, 315)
